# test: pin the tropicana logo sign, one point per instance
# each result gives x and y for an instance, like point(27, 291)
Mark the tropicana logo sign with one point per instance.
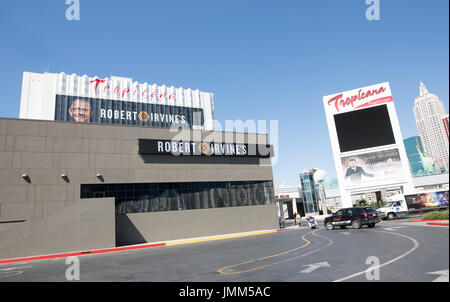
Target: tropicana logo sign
point(340, 102)
point(125, 91)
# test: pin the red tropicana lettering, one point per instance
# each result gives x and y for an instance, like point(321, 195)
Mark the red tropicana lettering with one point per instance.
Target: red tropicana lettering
point(144, 94)
point(96, 81)
point(339, 101)
point(126, 90)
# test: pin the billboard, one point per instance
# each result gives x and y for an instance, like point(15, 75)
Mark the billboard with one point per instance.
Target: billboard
point(372, 167)
point(374, 120)
point(424, 200)
point(366, 141)
point(114, 100)
point(102, 111)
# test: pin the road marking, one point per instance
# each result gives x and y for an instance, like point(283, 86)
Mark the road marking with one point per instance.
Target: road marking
point(442, 278)
point(416, 245)
point(221, 271)
point(259, 259)
point(345, 233)
point(313, 267)
point(10, 274)
point(393, 228)
point(13, 268)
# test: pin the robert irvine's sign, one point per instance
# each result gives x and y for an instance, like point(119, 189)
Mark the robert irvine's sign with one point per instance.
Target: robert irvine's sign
point(102, 111)
point(190, 148)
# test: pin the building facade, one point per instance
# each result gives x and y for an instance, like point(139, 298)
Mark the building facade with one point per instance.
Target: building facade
point(445, 122)
point(290, 199)
point(309, 192)
point(415, 152)
point(67, 186)
point(289, 202)
point(429, 112)
point(114, 101)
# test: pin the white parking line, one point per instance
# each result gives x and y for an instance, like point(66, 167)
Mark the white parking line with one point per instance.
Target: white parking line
point(416, 245)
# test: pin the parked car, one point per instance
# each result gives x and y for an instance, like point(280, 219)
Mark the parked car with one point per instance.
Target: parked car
point(356, 217)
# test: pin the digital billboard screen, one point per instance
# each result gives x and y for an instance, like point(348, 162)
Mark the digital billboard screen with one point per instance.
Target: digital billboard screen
point(364, 128)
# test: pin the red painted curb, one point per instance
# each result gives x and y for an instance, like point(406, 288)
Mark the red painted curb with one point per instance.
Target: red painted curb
point(92, 252)
point(64, 255)
point(427, 220)
point(436, 223)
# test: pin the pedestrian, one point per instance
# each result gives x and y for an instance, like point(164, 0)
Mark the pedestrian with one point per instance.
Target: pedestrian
point(297, 219)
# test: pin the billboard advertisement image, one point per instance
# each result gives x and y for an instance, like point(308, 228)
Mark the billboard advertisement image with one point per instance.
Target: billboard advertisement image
point(363, 169)
point(423, 200)
point(102, 111)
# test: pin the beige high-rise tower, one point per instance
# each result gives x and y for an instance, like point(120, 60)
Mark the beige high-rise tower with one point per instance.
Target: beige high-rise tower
point(429, 111)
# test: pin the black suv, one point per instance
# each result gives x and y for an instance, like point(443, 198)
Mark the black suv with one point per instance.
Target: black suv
point(356, 217)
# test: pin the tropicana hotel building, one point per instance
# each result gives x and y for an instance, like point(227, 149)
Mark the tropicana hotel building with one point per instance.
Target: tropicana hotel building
point(97, 163)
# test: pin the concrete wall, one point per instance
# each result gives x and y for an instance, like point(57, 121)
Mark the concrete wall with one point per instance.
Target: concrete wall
point(83, 225)
point(160, 226)
point(44, 150)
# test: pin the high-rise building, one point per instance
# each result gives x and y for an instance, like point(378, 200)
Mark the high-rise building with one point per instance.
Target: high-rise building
point(445, 122)
point(309, 192)
point(429, 111)
point(414, 149)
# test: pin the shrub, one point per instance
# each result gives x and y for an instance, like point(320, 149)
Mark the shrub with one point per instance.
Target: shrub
point(361, 203)
point(437, 215)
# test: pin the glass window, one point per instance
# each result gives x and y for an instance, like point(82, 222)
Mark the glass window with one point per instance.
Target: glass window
point(151, 197)
point(347, 212)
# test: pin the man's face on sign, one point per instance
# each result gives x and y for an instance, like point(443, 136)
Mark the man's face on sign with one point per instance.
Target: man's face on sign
point(353, 163)
point(80, 111)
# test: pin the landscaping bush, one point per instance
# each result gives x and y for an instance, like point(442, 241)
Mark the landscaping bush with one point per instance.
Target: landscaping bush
point(437, 215)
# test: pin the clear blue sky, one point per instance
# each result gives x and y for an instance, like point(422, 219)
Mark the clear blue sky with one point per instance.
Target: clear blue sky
point(263, 60)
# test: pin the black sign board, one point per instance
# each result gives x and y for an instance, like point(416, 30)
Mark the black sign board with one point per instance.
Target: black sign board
point(190, 148)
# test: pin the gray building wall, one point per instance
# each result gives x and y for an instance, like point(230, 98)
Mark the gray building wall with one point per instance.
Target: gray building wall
point(46, 149)
point(83, 225)
point(159, 226)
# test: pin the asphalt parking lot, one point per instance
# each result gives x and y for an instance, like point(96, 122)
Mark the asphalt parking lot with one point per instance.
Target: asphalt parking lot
point(393, 251)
